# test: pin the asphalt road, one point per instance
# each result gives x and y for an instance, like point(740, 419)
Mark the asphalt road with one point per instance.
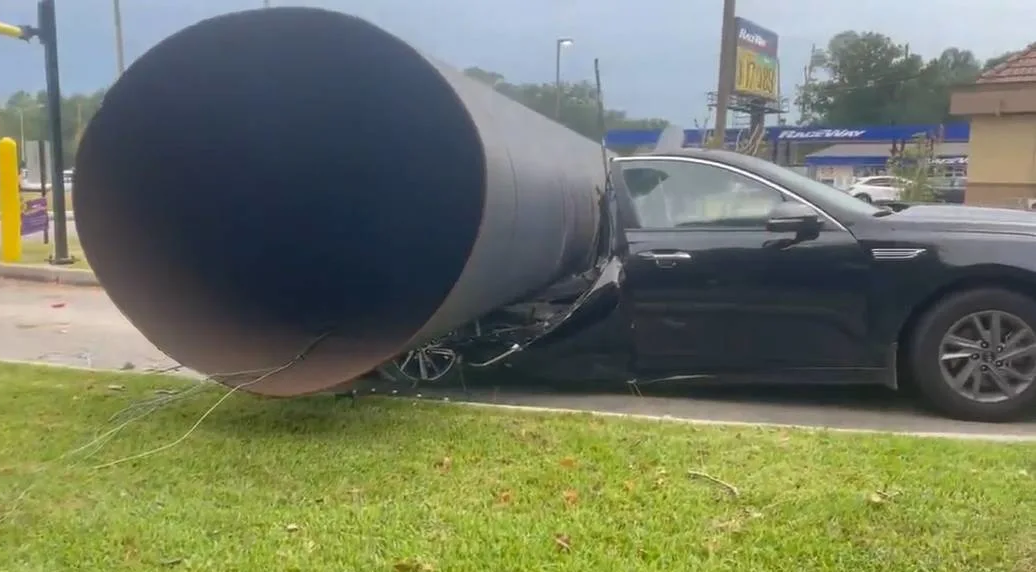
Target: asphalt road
point(80, 326)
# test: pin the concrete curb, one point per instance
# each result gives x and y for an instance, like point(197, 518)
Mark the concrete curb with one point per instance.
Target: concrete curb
point(994, 437)
point(179, 373)
point(48, 274)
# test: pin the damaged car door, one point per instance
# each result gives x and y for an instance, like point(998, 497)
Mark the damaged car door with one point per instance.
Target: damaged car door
point(727, 273)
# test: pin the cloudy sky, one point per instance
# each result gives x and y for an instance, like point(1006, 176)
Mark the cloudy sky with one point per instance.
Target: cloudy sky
point(658, 57)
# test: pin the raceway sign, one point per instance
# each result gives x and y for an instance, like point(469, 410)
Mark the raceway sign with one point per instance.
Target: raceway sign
point(752, 38)
point(823, 134)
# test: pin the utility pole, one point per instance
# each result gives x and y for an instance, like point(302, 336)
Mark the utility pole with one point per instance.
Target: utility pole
point(21, 130)
point(727, 63)
point(809, 77)
point(120, 56)
point(561, 43)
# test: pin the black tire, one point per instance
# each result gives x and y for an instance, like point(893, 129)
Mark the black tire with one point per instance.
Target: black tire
point(864, 197)
point(923, 355)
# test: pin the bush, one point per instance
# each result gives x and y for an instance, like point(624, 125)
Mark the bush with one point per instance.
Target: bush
point(912, 161)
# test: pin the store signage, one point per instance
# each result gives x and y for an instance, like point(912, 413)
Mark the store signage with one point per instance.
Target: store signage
point(823, 134)
point(758, 72)
point(950, 161)
point(752, 38)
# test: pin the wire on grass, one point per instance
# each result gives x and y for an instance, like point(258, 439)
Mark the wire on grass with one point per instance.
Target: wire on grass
point(299, 357)
point(158, 400)
point(150, 406)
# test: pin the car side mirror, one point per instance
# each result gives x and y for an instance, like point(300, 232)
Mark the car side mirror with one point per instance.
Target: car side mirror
point(793, 216)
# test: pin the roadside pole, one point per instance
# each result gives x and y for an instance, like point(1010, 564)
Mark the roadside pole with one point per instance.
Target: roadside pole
point(47, 33)
point(727, 63)
point(120, 53)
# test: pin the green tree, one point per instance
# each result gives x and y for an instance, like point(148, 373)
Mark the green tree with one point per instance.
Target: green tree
point(28, 111)
point(578, 103)
point(914, 164)
point(868, 79)
point(995, 61)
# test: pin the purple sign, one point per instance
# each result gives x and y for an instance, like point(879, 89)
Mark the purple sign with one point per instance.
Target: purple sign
point(34, 216)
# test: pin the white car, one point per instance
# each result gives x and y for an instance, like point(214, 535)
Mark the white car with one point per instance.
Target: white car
point(35, 187)
point(878, 189)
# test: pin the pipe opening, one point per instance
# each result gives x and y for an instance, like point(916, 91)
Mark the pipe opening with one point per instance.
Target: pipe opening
point(262, 177)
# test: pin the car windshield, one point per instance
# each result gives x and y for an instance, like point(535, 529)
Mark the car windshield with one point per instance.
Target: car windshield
point(813, 189)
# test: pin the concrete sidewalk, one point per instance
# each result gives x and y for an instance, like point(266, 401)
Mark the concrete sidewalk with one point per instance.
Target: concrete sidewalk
point(59, 325)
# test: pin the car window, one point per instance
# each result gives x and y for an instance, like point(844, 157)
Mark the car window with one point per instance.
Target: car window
point(877, 182)
point(682, 194)
point(807, 188)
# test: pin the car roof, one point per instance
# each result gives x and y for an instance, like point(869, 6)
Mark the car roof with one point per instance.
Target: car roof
point(731, 158)
point(741, 161)
point(721, 155)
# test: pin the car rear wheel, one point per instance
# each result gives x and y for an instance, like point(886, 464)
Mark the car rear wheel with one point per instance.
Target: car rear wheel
point(973, 356)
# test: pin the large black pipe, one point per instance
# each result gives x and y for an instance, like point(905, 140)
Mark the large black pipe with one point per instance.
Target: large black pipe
point(264, 177)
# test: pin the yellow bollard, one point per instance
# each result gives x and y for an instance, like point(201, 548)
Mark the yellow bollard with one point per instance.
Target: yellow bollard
point(10, 202)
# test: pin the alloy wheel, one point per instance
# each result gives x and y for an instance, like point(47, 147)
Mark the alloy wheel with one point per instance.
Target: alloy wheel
point(428, 363)
point(988, 356)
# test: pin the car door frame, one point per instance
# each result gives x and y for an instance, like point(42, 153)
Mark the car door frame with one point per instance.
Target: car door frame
point(873, 368)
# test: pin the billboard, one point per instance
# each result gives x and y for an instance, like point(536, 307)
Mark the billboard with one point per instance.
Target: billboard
point(758, 71)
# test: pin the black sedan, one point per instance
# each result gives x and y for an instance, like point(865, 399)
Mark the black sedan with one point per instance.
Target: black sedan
point(730, 268)
point(738, 266)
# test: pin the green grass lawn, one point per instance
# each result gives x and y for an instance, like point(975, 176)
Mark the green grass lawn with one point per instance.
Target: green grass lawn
point(35, 252)
point(315, 484)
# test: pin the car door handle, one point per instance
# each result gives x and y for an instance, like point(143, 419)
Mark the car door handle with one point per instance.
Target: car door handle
point(666, 259)
point(666, 255)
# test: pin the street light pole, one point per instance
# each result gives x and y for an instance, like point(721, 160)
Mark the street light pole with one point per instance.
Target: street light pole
point(120, 56)
point(21, 129)
point(727, 63)
point(561, 43)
